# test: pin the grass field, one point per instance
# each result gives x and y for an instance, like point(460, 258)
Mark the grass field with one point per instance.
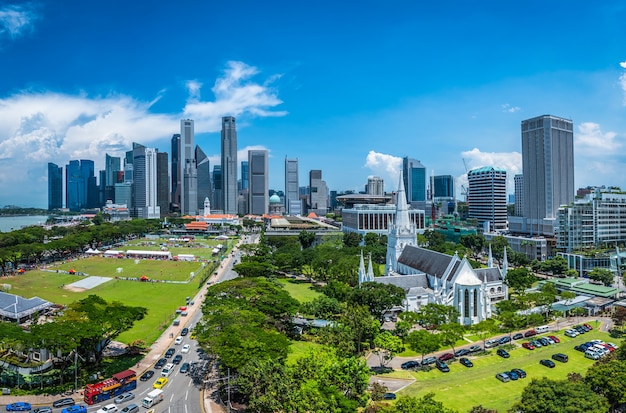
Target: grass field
point(464, 387)
point(298, 349)
point(299, 290)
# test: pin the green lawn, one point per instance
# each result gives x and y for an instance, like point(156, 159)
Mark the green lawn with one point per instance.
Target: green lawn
point(301, 291)
point(298, 349)
point(464, 387)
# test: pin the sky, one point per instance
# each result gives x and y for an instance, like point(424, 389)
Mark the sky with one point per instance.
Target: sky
point(346, 87)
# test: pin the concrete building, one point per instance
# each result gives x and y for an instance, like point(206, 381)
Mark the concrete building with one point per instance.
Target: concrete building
point(145, 182)
point(176, 161)
point(519, 195)
point(293, 203)
point(258, 177)
point(204, 177)
point(229, 165)
point(375, 186)
point(486, 197)
point(318, 195)
point(188, 169)
point(163, 187)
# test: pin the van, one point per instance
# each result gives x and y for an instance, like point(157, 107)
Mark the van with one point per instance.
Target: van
point(177, 322)
point(560, 357)
point(167, 370)
point(542, 329)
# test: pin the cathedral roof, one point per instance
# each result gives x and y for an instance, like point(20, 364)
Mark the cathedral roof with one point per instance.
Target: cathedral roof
point(404, 281)
point(467, 276)
point(431, 262)
point(488, 274)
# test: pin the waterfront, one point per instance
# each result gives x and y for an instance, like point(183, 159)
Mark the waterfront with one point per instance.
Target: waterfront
point(11, 223)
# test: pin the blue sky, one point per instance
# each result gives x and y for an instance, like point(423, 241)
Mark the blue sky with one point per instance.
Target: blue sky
point(347, 87)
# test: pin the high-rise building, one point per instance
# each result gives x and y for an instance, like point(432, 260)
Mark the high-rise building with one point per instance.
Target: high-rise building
point(258, 191)
point(55, 186)
point(204, 177)
point(218, 193)
point(518, 181)
point(443, 186)
point(229, 165)
point(163, 187)
point(375, 186)
point(486, 197)
point(175, 148)
point(188, 169)
point(245, 179)
point(293, 203)
point(414, 181)
point(145, 182)
point(318, 196)
point(548, 169)
point(78, 185)
point(112, 166)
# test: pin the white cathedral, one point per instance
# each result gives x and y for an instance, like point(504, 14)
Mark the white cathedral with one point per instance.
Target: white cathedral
point(433, 277)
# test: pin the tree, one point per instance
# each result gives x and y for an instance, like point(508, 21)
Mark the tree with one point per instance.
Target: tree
point(481, 409)
point(254, 269)
point(435, 240)
point(426, 404)
point(607, 379)
point(619, 315)
point(423, 342)
point(553, 396)
point(451, 333)
point(498, 244)
point(520, 279)
point(473, 242)
point(267, 385)
point(602, 275)
point(433, 314)
point(378, 297)
point(306, 239)
point(324, 307)
point(556, 265)
point(352, 239)
point(387, 346)
point(484, 329)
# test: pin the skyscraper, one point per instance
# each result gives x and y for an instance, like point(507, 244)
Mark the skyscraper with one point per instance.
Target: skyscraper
point(218, 193)
point(375, 186)
point(145, 182)
point(258, 191)
point(486, 197)
point(204, 177)
point(519, 195)
point(443, 186)
point(414, 180)
point(318, 195)
point(229, 164)
point(112, 166)
point(188, 169)
point(245, 179)
point(78, 184)
point(548, 170)
point(55, 186)
point(163, 187)
point(175, 198)
point(293, 204)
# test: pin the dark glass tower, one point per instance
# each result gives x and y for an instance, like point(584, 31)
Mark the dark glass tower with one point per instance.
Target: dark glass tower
point(55, 186)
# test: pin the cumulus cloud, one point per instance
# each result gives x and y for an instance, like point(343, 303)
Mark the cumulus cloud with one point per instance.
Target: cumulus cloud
point(510, 109)
point(386, 166)
point(511, 162)
point(622, 80)
point(41, 127)
point(16, 20)
point(592, 141)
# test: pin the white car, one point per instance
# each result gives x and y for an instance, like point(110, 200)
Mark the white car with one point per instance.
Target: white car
point(571, 333)
point(185, 348)
point(109, 408)
point(178, 340)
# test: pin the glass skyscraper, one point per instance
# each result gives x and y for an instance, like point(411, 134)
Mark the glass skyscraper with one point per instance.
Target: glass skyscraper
point(55, 186)
point(258, 192)
point(414, 180)
point(229, 165)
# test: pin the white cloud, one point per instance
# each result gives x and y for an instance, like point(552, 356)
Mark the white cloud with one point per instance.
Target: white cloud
point(623, 64)
point(591, 141)
point(386, 166)
point(510, 109)
point(511, 162)
point(41, 127)
point(622, 80)
point(15, 20)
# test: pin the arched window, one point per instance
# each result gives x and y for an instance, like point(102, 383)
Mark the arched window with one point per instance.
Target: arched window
point(499, 289)
point(491, 290)
point(475, 303)
point(466, 303)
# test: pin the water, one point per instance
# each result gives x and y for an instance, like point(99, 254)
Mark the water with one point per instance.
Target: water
point(8, 224)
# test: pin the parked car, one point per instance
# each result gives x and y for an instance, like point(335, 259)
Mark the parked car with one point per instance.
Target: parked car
point(124, 397)
point(503, 377)
point(446, 357)
point(547, 363)
point(528, 346)
point(410, 364)
point(177, 359)
point(18, 407)
point(550, 341)
point(466, 362)
point(571, 333)
point(505, 339)
point(555, 339)
point(131, 408)
point(474, 349)
point(513, 375)
point(588, 326)
point(389, 396)
point(560, 357)
point(443, 367)
point(579, 329)
point(159, 364)
point(536, 343)
point(185, 368)
point(591, 355)
point(75, 409)
point(428, 360)
point(530, 333)
point(544, 341)
point(178, 340)
point(462, 352)
point(518, 336)
point(147, 375)
point(492, 343)
point(584, 327)
point(66, 401)
point(521, 373)
point(503, 353)
point(184, 331)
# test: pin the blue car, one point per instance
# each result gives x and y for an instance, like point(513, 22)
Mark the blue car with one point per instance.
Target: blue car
point(75, 409)
point(18, 407)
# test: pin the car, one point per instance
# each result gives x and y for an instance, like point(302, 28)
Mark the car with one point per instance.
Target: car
point(185, 349)
point(409, 364)
point(518, 336)
point(543, 341)
point(66, 401)
point(185, 368)
point(443, 367)
point(503, 377)
point(462, 352)
point(160, 383)
point(513, 375)
point(147, 375)
point(579, 329)
point(588, 326)
point(184, 313)
point(109, 408)
point(584, 327)
point(505, 339)
point(77, 408)
point(177, 359)
point(492, 343)
point(159, 364)
point(580, 348)
point(520, 373)
point(43, 409)
point(389, 396)
point(560, 357)
point(192, 335)
point(555, 339)
point(446, 357)
point(170, 352)
point(19, 407)
point(591, 355)
point(536, 343)
point(547, 363)
point(428, 360)
point(131, 408)
point(503, 353)
point(571, 333)
point(530, 333)
point(474, 349)
point(124, 397)
point(466, 362)
point(184, 331)
point(178, 340)
point(528, 345)
point(550, 341)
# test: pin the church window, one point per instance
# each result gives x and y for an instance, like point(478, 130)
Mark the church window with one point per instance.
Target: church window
point(491, 290)
point(466, 303)
point(475, 303)
point(499, 289)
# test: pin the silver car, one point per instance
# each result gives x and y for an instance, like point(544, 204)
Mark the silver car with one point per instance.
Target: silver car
point(124, 397)
point(131, 408)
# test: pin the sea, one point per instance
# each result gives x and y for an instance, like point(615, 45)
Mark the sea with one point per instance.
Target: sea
point(12, 223)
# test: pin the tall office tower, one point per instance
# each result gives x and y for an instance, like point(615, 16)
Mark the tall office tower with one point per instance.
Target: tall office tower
point(175, 148)
point(443, 186)
point(414, 181)
point(519, 195)
point(486, 197)
point(229, 164)
point(375, 186)
point(112, 166)
point(145, 182)
point(188, 170)
point(78, 185)
point(318, 196)
point(245, 172)
point(293, 203)
point(258, 192)
point(204, 178)
point(163, 184)
point(218, 194)
point(548, 169)
point(55, 186)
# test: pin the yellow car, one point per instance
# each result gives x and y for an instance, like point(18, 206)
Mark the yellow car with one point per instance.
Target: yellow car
point(160, 383)
point(192, 335)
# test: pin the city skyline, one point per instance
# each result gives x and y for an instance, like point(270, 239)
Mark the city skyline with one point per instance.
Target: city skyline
point(440, 84)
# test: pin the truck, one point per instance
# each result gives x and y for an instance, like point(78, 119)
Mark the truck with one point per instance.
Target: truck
point(154, 397)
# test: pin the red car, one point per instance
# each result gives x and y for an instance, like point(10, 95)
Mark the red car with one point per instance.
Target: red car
point(555, 339)
point(530, 333)
point(446, 357)
point(528, 346)
point(588, 326)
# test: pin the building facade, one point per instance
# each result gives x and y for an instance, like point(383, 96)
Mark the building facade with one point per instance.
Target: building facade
point(443, 187)
point(163, 185)
point(375, 186)
point(486, 197)
point(519, 195)
point(145, 182)
point(293, 203)
point(229, 165)
point(203, 166)
point(414, 181)
point(55, 186)
point(175, 150)
point(318, 193)
point(188, 169)
point(80, 185)
point(258, 177)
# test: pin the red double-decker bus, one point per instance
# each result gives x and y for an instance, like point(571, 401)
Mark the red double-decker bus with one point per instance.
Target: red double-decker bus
point(109, 388)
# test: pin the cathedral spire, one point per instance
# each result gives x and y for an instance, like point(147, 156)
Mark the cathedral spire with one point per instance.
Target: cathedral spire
point(505, 264)
point(402, 231)
point(402, 209)
point(370, 269)
point(362, 274)
point(490, 259)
